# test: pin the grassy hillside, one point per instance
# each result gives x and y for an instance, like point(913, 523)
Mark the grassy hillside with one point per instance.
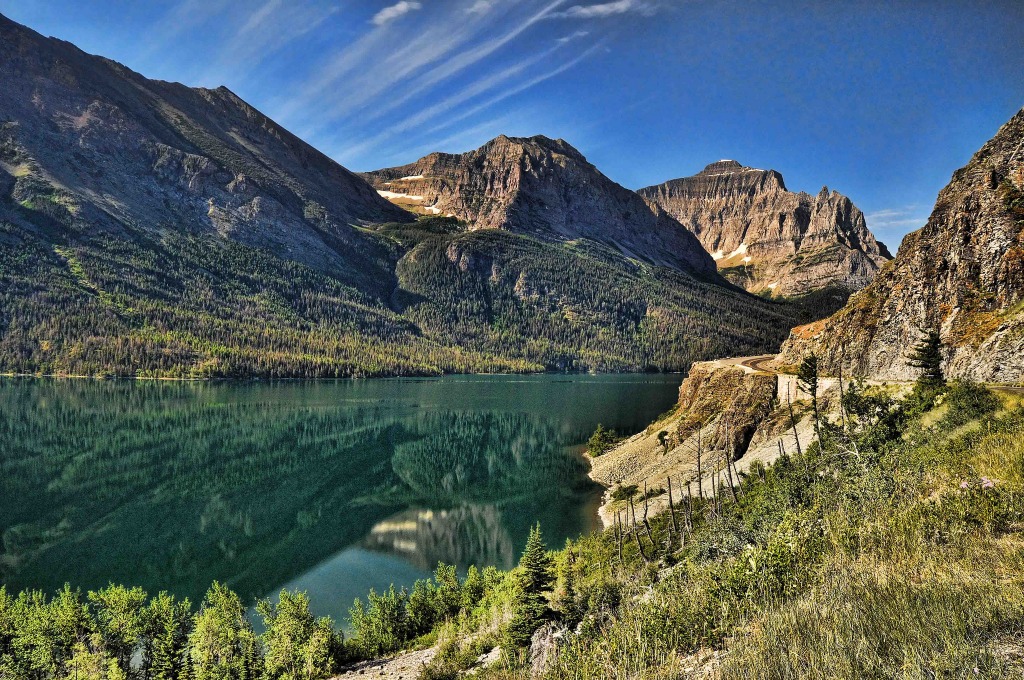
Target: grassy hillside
point(892, 550)
point(184, 305)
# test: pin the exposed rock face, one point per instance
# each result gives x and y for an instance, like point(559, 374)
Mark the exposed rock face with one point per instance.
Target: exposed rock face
point(544, 188)
point(766, 238)
point(101, 149)
point(962, 274)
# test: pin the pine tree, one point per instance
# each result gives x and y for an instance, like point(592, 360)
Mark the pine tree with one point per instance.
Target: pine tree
point(535, 578)
point(927, 356)
point(536, 564)
point(165, 639)
point(222, 644)
point(807, 375)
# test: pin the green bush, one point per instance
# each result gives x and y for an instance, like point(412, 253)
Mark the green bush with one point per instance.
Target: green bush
point(968, 401)
point(602, 441)
point(391, 620)
point(624, 492)
point(222, 644)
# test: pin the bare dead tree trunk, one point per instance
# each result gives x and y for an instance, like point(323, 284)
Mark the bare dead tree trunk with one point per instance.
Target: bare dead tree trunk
point(618, 535)
point(730, 451)
point(689, 508)
point(792, 420)
point(739, 482)
point(842, 407)
point(700, 484)
point(714, 490)
point(636, 532)
point(674, 526)
point(647, 525)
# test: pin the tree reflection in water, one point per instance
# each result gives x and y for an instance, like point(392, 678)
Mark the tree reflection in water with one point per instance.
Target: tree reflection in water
point(172, 485)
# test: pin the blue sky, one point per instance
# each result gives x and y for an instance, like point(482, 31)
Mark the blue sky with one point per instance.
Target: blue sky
point(879, 100)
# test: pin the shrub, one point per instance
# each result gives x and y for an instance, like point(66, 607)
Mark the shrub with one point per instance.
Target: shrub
point(383, 625)
point(601, 441)
point(222, 645)
point(624, 492)
point(968, 401)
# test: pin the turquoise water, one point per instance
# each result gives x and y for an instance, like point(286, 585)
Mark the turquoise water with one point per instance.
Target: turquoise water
point(330, 487)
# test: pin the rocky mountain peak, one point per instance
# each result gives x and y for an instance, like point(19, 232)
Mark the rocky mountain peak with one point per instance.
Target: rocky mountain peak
point(769, 239)
point(719, 167)
point(962, 274)
point(115, 152)
point(545, 188)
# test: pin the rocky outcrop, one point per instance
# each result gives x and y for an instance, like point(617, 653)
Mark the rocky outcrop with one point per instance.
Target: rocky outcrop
point(98, 149)
point(543, 188)
point(725, 410)
point(769, 239)
point(962, 274)
point(545, 646)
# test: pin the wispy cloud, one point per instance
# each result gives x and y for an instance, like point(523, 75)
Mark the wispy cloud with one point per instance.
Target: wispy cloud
point(463, 60)
point(480, 6)
point(367, 74)
point(521, 87)
point(573, 36)
point(513, 75)
point(395, 11)
point(897, 217)
point(607, 9)
point(274, 25)
point(390, 85)
point(185, 16)
point(891, 224)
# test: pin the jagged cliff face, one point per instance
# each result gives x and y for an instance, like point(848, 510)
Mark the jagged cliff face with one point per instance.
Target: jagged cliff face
point(103, 150)
point(768, 239)
point(545, 188)
point(963, 274)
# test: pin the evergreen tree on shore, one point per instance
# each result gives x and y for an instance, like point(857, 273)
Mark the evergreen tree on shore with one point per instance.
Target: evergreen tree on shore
point(536, 576)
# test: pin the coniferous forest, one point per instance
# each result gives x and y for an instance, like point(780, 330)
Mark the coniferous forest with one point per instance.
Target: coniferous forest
point(183, 305)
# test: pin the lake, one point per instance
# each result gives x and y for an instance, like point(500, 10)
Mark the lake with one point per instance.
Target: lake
point(329, 487)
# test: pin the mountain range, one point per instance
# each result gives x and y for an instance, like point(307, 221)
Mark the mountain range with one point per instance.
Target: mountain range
point(543, 188)
point(152, 229)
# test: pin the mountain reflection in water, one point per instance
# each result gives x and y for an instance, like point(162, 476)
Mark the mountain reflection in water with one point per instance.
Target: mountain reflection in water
point(333, 487)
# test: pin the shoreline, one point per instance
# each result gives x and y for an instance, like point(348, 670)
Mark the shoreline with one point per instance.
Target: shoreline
point(424, 376)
